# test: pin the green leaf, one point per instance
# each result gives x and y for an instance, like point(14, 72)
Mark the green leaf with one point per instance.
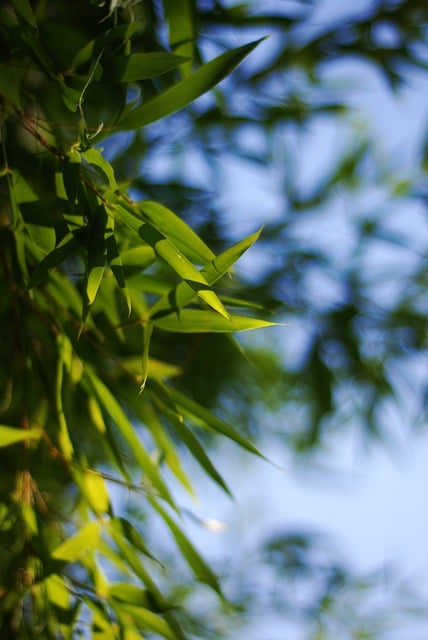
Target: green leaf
point(183, 293)
point(93, 48)
point(137, 259)
point(127, 529)
point(147, 330)
point(57, 591)
point(180, 15)
point(177, 231)
point(140, 66)
point(96, 249)
point(94, 489)
point(168, 451)
point(115, 262)
point(114, 410)
point(183, 267)
point(12, 435)
point(209, 420)
point(71, 167)
point(166, 250)
point(67, 247)
point(130, 593)
point(23, 8)
point(11, 79)
point(185, 91)
point(149, 620)
point(197, 450)
point(195, 561)
point(205, 321)
point(76, 546)
point(64, 355)
point(95, 158)
point(164, 400)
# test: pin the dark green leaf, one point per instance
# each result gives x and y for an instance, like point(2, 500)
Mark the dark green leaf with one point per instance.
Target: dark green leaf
point(184, 92)
point(140, 66)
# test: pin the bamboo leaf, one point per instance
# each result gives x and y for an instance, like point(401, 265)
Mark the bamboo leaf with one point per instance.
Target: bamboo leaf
point(185, 91)
point(166, 250)
point(23, 8)
point(183, 293)
point(147, 331)
point(94, 489)
point(140, 66)
point(201, 321)
point(76, 546)
point(130, 593)
point(210, 420)
point(197, 450)
point(115, 262)
point(195, 561)
point(67, 247)
point(113, 408)
point(64, 441)
point(149, 620)
point(168, 451)
point(177, 231)
point(180, 15)
point(96, 250)
point(95, 158)
point(12, 435)
point(71, 168)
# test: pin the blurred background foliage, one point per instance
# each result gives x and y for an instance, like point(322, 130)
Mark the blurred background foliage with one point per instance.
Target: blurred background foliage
point(341, 260)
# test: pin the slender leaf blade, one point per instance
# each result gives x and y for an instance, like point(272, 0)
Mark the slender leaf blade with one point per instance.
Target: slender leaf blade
point(12, 435)
point(77, 545)
point(185, 91)
point(141, 66)
point(205, 321)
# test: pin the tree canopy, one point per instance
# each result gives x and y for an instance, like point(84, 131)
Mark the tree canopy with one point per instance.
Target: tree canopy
point(121, 291)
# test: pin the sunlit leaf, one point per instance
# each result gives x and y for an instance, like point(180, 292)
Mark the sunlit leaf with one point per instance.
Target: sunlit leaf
point(95, 491)
point(149, 620)
point(95, 158)
point(183, 293)
point(200, 321)
point(166, 250)
point(115, 411)
point(147, 330)
point(12, 435)
point(174, 228)
point(82, 542)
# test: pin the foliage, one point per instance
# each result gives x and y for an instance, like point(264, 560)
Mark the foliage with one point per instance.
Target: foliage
point(116, 313)
point(91, 277)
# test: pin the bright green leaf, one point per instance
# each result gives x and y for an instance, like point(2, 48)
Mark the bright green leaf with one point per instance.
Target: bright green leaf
point(149, 620)
point(201, 321)
point(183, 293)
point(95, 158)
point(177, 231)
point(114, 410)
point(12, 435)
point(82, 542)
